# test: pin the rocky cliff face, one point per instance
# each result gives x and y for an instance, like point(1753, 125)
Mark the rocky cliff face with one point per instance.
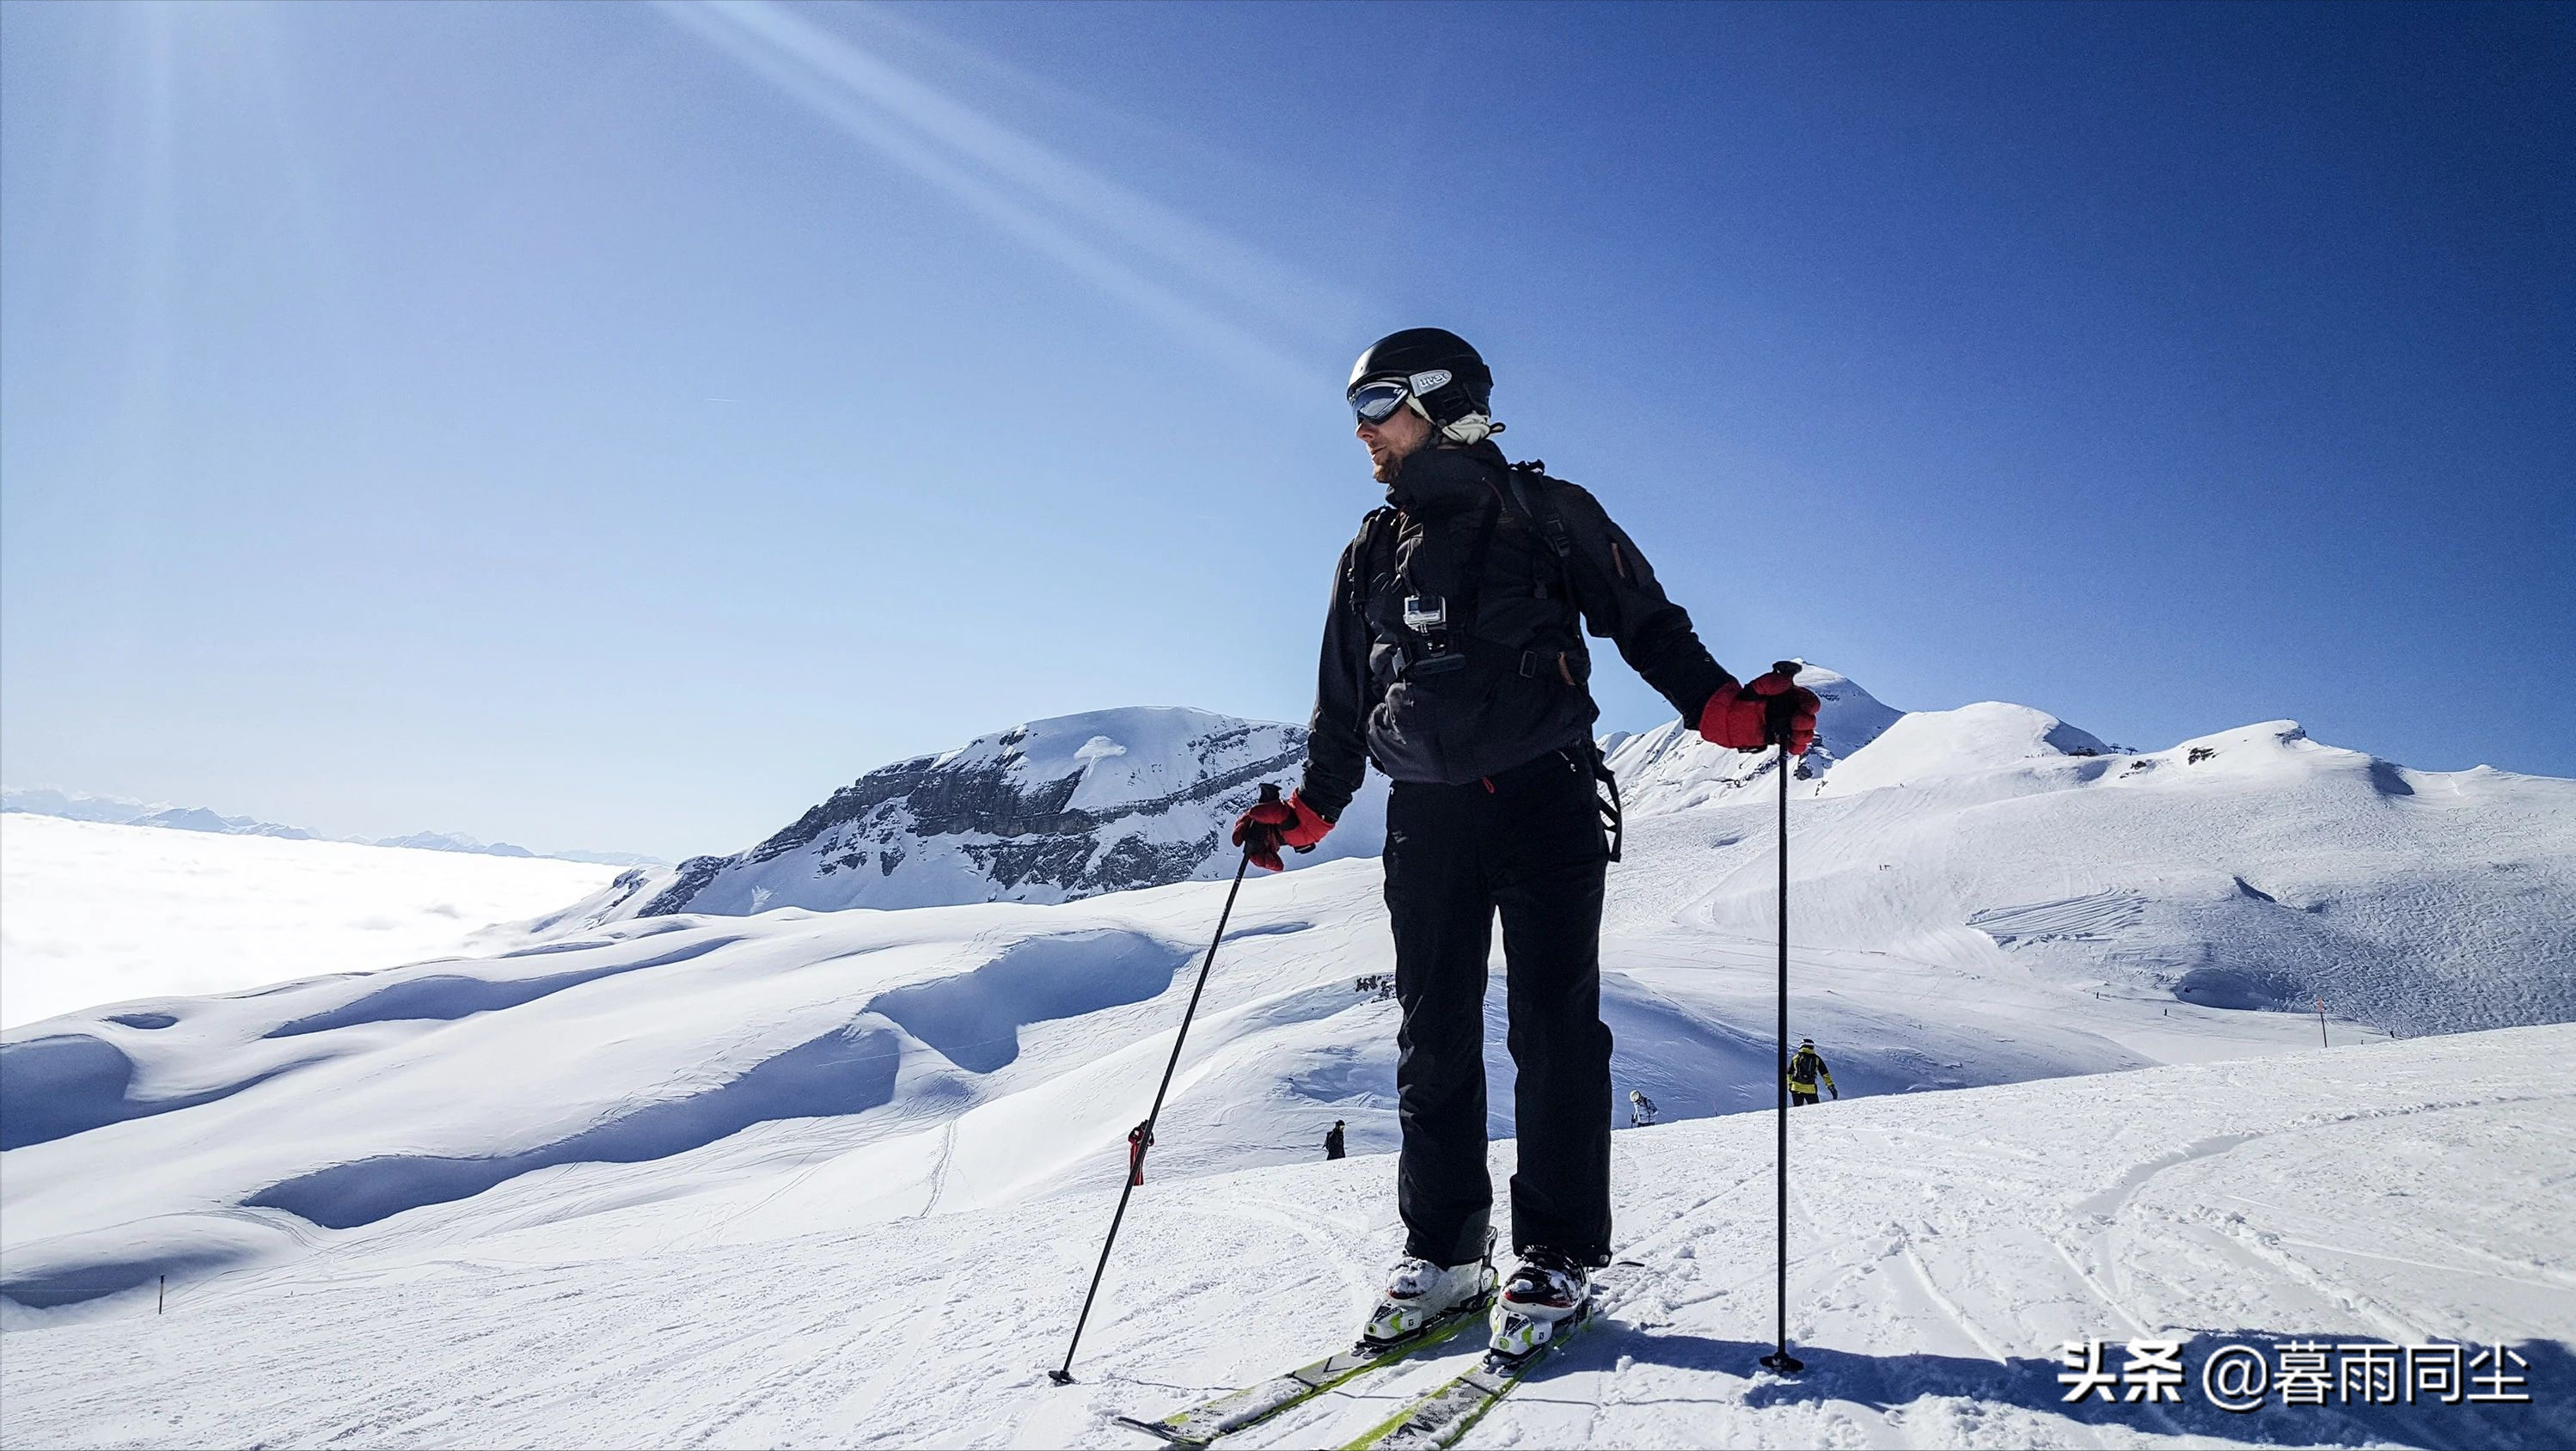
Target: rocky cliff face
point(1044, 812)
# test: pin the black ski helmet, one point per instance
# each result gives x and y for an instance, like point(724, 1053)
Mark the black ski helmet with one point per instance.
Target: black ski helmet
point(1443, 371)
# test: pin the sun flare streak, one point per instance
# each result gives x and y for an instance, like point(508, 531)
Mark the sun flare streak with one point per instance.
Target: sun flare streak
point(1077, 218)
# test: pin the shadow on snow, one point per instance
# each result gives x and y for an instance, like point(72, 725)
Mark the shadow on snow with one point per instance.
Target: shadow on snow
point(69, 1083)
point(448, 996)
point(1889, 1382)
point(838, 1073)
point(974, 1018)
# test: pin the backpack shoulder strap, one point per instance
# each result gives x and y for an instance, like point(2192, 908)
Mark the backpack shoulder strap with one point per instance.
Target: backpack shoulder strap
point(1529, 491)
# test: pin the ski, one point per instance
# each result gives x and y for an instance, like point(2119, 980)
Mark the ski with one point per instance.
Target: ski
point(1231, 1412)
point(1440, 1416)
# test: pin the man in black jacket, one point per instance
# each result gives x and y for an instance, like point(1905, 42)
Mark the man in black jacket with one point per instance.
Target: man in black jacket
point(1454, 659)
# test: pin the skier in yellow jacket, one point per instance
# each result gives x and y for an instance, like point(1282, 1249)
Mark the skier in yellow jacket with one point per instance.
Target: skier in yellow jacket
point(1806, 1070)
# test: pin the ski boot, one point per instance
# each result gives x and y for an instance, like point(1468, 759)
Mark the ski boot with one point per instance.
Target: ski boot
point(1548, 1295)
point(1420, 1296)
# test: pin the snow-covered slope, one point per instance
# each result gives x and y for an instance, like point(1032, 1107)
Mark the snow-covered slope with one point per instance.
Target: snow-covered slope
point(99, 913)
point(1048, 811)
point(1980, 897)
point(1943, 1247)
point(1995, 911)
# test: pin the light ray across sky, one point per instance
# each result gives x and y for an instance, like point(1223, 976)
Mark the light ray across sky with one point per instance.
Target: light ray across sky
point(1071, 213)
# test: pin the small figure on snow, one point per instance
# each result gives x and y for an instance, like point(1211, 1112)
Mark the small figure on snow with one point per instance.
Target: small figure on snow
point(1139, 1139)
point(1806, 1070)
point(1333, 1141)
point(1641, 1109)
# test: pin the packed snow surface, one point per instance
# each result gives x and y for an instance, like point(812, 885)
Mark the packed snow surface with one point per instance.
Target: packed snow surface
point(1942, 1248)
point(100, 913)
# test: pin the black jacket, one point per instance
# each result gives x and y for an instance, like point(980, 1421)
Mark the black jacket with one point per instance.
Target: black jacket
point(1505, 679)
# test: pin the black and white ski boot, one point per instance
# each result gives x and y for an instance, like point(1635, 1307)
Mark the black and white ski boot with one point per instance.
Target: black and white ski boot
point(1544, 1296)
point(1420, 1294)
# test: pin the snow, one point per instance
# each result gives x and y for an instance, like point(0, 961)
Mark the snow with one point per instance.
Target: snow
point(1942, 1248)
point(1980, 737)
point(101, 913)
point(804, 1176)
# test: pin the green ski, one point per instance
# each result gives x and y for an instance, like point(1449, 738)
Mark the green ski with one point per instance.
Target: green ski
point(1231, 1412)
point(1443, 1414)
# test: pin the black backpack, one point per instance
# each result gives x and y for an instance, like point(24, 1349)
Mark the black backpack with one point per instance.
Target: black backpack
point(1527, 491)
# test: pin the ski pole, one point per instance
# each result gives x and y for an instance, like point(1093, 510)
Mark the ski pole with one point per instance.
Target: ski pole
point(1780, 1360)
point(1063, 1375)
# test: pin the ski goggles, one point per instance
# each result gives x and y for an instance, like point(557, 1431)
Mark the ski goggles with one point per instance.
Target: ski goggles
point(1376, 400)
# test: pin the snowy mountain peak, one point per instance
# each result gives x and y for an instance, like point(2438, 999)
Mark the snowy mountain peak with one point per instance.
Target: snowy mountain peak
point(1047, 811)
point(198, 818)
point(1138, 756)
point(1987, 736)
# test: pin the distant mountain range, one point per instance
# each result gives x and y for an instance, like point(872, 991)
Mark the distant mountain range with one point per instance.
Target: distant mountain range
point(120, 811)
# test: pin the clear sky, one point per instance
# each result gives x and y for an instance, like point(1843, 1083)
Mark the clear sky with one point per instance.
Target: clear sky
point(615, 426)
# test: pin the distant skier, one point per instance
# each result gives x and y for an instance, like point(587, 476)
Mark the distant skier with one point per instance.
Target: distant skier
point(1333, 1141)
point(1139, 1139)
point(1454, 660)
point(1641, 1109)
point(1806, 1070)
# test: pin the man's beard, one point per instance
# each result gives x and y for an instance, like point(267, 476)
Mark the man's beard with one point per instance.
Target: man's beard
point(1385, 472)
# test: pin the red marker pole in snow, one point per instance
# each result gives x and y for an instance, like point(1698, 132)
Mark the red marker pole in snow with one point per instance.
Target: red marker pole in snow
point(1780, 1360)
point(1063, 1375)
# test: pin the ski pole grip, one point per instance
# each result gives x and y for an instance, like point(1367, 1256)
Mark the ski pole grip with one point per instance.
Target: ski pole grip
point(1780, 711)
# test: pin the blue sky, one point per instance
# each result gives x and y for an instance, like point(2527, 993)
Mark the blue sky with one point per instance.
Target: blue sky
point(616, 426)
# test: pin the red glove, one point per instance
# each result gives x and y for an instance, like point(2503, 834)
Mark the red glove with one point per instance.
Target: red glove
point(1750, 717)
point(1274, 823)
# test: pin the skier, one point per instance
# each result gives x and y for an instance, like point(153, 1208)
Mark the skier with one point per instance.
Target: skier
point(1139, 1139)
point(1641, 1109)
point(1806, 1069)
point(1333, 1141)
point(1453, 658)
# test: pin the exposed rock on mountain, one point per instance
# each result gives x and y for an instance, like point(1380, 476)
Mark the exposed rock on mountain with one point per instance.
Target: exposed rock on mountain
point(1049, 811)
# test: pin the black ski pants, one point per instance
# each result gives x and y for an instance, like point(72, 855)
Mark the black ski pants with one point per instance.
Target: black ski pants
point(1526, 843)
